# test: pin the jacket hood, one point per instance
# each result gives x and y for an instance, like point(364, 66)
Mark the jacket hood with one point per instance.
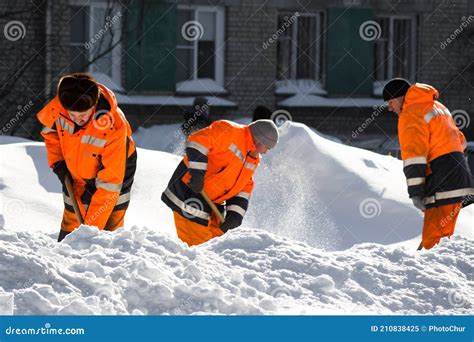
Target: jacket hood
point(420, 93)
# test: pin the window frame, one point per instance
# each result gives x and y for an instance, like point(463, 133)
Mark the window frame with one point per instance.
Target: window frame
point(219, 42)
point(116, 53)
point(319, 56)
point(413, 45)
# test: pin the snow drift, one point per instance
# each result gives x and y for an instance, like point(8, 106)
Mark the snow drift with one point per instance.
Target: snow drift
point(143, 271)
point(330, 230)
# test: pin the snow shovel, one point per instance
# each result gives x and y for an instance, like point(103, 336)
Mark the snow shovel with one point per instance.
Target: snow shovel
point(213, 207)
point(420, 247)
point(70, 191)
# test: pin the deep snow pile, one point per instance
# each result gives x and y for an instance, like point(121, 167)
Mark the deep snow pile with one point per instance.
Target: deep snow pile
point(333, 196)
point(143, 271)
point(321, 192)
point(330, 229)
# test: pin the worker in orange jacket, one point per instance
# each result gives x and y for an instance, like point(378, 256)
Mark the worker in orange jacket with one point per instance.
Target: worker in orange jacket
point(221, 160)
point(438, 176)
point(88, 139)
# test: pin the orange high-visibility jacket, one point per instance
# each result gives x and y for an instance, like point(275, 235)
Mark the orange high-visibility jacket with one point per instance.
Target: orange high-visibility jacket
point(432, 150)
point(100, 156)
point(220, 152)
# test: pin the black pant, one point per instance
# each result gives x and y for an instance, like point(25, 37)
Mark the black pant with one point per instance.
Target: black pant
point(62, 235)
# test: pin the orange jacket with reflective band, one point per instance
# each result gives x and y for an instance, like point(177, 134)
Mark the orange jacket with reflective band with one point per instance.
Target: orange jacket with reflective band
point(96, 154)
point(220, 152)
point(432, 149)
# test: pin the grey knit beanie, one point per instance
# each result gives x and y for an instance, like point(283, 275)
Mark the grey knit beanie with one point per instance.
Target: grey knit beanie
point(265, 132)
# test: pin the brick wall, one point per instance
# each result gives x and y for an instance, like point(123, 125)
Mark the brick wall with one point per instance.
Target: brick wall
point(22, 64)
point(250, 69)
point(31, 65)
point(449, 67)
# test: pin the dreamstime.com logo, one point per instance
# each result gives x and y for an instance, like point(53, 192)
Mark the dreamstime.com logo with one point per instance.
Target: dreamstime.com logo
point(456, 299)
point(15, 119)
point(14, 30)
point(103, 119)
point(192, 30)
point(109, 23)
point(280, 292)
point(46, 330)
point(13, 208)
point(280, 117)
point(370, 30)
point(464, 24)
point(461, 118)
point(281, 30)
point(369, 208)
point(193, 208)
point(377, 110)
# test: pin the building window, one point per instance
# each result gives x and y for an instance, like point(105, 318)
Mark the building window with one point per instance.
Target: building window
point(95, 31)
point(201, 58)
point(395, 50)
point(300, 46)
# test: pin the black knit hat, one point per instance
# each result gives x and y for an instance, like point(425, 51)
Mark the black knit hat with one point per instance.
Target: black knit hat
point(78, 92)
point(395, 88)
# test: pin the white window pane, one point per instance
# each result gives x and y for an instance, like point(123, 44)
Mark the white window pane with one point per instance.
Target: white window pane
point(77, 59)
point(105, 28)
point(381, 50)
point(208, 22)
point(306, 51)
point(79, 24)
point(184, 64)
point(183, 17)
point(206, 59)
point(284, 46)
point(104, 64)
point(401, 48)
point(101, 36)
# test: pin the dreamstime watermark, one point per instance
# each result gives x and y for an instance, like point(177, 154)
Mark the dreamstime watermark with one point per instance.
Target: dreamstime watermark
point(280, 117)
point(461, 118)
point(369, 208)
point(198, 111)
point(281, 30)
point(456, 299)
point(109, 22)
point(14, 30)
point(21, 111)
point(193, 207)
point(6, 303)
point(370, 30)
point(103, 208)
point(377, 110)
point(464, 24)
point(46, 330)
point(104, 292)
point(453, 214)
point(103, 119)
point(280, 292)
point(14, 208)
point(192, 30)
point(7, 299)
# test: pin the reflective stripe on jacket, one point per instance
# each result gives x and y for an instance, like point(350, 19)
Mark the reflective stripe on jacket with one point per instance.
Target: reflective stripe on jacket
point(100, 155)
point(432, 150)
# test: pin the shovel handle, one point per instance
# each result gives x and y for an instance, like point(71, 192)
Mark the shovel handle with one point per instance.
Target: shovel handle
point(213, 207)
point(420, 247)
point(72, 197)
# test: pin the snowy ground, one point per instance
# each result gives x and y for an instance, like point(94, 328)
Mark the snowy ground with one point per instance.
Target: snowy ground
point(330, 231)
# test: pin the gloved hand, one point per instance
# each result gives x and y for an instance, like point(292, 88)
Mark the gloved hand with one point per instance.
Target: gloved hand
point(418, 203)
point(196, 183)
point(232, 220)
point(61, 170)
